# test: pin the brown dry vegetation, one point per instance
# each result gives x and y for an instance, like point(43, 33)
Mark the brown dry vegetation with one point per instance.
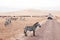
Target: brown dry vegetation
point(16, 27)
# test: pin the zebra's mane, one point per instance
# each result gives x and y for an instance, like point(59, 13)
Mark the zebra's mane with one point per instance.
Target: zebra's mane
point(36, 23)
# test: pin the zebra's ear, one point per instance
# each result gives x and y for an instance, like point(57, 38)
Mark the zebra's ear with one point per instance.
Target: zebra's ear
point(37, 22)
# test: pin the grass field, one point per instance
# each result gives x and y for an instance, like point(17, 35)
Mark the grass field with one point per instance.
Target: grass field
point(17, 26)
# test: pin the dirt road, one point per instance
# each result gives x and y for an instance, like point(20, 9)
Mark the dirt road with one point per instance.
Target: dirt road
point(50, 30)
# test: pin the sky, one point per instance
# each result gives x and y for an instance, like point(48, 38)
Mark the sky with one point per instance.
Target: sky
point(14, 5)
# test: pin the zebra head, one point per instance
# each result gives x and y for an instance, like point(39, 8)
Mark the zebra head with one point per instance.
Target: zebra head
point(37, 24)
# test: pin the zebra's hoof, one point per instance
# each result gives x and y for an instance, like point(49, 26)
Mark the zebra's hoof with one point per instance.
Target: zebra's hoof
point(26, 35)
point(33, 35)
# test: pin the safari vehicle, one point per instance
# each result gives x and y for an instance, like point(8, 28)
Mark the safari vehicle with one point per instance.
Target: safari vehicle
point(50, 16)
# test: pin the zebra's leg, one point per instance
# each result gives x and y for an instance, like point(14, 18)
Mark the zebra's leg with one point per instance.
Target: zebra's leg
point(25, 32)
point(33, 32)
point(10, 21)
point(5, 24)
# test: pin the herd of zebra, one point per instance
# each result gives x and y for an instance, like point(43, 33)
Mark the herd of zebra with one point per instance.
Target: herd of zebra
point(27, 28)
point(9, 19)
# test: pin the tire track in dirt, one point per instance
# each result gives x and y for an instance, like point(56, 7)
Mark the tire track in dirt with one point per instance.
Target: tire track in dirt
point(56, 30)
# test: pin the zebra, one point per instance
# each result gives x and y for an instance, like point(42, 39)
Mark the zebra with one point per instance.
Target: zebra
point(7, 22)
point(31, 28)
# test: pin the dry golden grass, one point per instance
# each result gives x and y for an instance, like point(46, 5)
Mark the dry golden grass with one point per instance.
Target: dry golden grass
point(58, 18)
point(16, 26)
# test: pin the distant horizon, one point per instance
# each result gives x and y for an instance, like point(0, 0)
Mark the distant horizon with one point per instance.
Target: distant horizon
point(15, 5)
point(15, 10)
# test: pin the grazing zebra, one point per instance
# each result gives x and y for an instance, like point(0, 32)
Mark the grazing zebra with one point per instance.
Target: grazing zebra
point(14, 18)
point(7, 22)
point(22, 18)
point(31, 28)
